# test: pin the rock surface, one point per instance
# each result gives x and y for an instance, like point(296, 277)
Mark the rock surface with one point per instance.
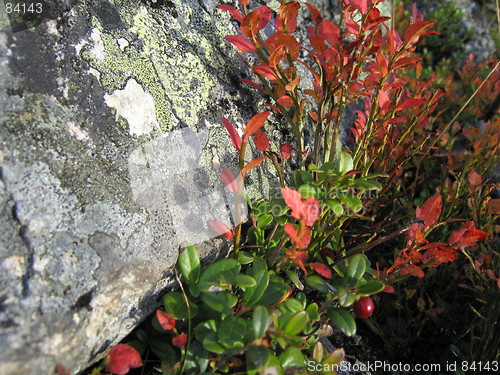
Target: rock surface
point(110, 138)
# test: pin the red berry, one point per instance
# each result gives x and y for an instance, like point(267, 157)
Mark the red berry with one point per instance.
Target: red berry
point(364, 307)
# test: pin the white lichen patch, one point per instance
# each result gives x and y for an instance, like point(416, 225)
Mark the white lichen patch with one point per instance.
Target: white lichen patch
point(77, 132)
point(123, 43)
point(98, 49)
point(136, 106)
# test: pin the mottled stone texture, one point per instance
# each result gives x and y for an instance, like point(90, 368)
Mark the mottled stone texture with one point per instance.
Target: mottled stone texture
point(82, 259)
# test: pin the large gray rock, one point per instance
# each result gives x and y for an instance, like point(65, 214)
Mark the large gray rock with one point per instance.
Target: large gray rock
point(110, 144)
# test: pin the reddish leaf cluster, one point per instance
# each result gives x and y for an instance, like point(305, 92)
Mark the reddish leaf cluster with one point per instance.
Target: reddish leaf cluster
point(121, 358)
point(306, 210)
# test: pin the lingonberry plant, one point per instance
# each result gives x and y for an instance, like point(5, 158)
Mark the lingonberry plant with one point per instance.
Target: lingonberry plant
point(302, 263)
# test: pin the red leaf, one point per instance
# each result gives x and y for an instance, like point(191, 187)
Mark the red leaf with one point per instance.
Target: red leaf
point(241, 43)
point(298, 257)
point(467, 236)
point(254, 124)
point(221, 229)
point(276, 57)
point(321, 269)
point(430, 210)
point(254, 85)
point(233, 134)
point(180, 340)
point(412, 270)
point(329, 31)
point(286, 101)
point(244, 3)
point(261, 141)
point(383, 100)
point(286, 20)
point(235, 13)
point(265, 13)
point(474, 179)
point(121, 358)
point(250, 25)
point(411, 103)
point(388, 289)
point(310, 211)
point(417, 30)
point(362, 5)
point(266, 71)
point(252, 164)
point(439, 255)
point(301, 241)
point(405, 61)
point(293, 199)
point(290, 86)
point(286, 151)
point(165, 319)
point(228, 178)
point(316, 15)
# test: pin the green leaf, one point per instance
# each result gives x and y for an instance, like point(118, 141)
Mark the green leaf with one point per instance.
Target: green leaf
point(196, 359)
point(293, 305)
point(175, 304)
point(357, 267)
point(264, 220)
point(189, 263)
point(347, 299)
point(232, 330)
point(253, 294)
point(370, 287)
point(222, 302)
point(213, 270)
point(317, 283)
point(328, 167)
point(273, 293)
point(163, 350)
point(257, 358)
point(292, 357)
point(244, 257)
point(309, 190)
point(295, 279)
point(260, 321)
point(366, 184)
point(244, 281)
point(334, 358)
point(203, 329)
point(343, 320)
point(313, 312)
point(351, 201)
point(335, 206)
point(296, 323)
point(345, 163)
point(211, 344)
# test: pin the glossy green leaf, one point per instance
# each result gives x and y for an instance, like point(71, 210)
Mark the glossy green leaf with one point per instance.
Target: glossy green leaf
point(351, 201)
point(273, 293)
point(196, 358)
point(257, 358)
point(222, 302)
point(366, 184)
point(292, 357)
point(163, 350)
point(253, 294)
point(293, 305)
point(346, 163)
point(347, 299)
point(205, 328)
point(214, 269)
point(356, 268)
point(317, 283)
point(313, 312)
point(232, 330)
point(189, 264)
point(309, 190)
point(335, 206)
point(295, 279)
point(211, 343)
point(244, 257)
point(260, 321)
point(175, 304)
point(296, 323)
point(265, 220)
point(370, 287)
point(244, 281)
point(328, 167)
point(343, 320)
